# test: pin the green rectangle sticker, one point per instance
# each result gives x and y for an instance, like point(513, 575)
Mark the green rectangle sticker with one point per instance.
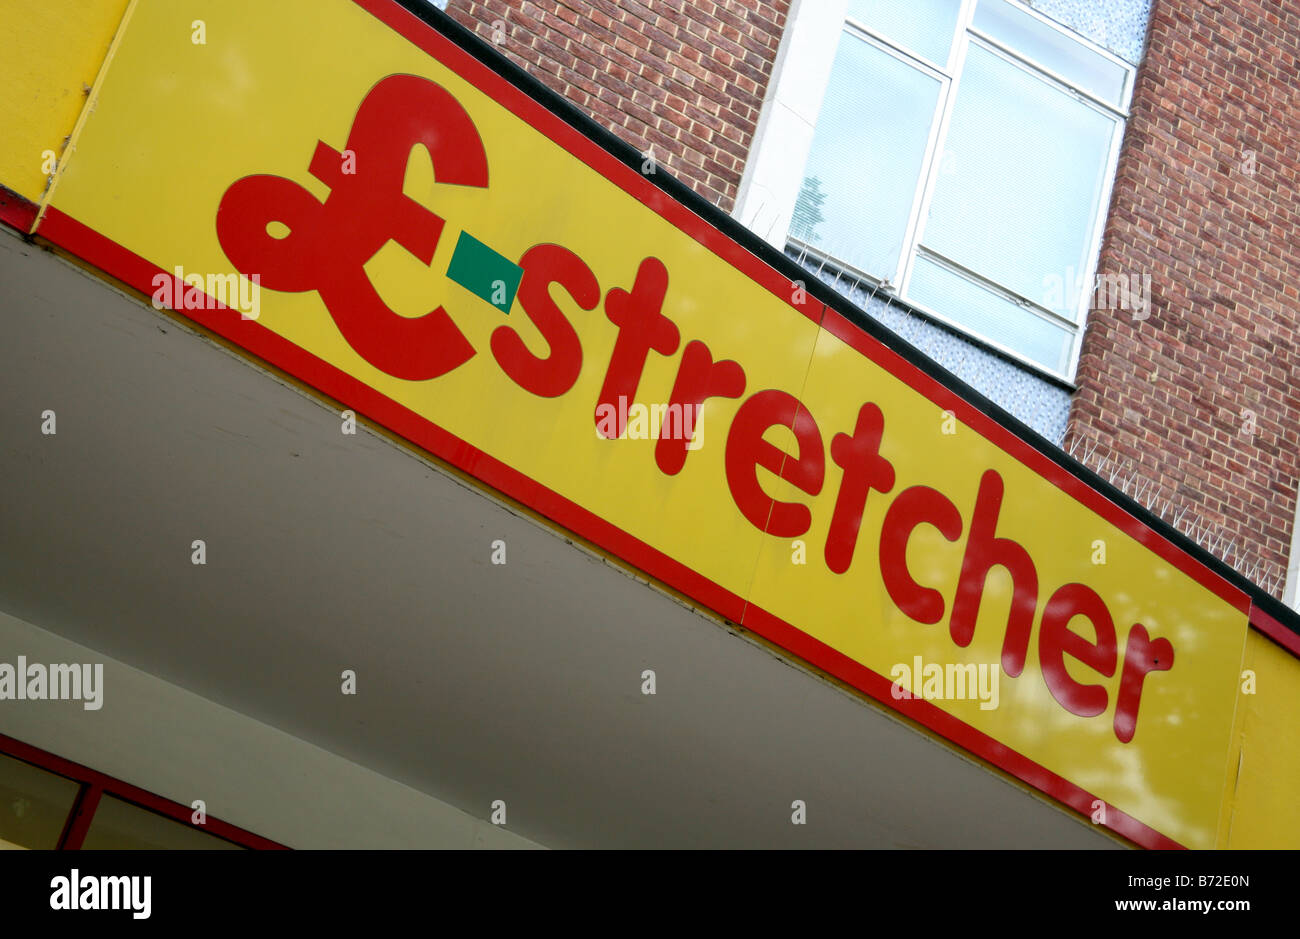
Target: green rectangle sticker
point(484, 273)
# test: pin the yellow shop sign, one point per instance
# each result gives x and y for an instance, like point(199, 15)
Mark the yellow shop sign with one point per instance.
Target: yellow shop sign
point(409, 232)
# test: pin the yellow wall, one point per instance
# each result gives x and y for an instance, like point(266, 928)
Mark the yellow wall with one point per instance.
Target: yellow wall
point(53, 52)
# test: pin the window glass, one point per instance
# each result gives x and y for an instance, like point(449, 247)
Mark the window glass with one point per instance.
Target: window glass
point(861, 179)
point(34, 805)
point(925, 27)
point(1023, 174)
point(120, 826)
point(990, 314)
point(1040, 43)
point(983, 186)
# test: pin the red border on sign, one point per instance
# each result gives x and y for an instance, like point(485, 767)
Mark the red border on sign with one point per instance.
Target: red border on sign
point(106, 254)
point(854, 673)
point(90, 246)
point(17, 212)
point(1274, 630)
point(138, 272)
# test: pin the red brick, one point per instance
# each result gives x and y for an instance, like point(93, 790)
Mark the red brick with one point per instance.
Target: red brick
point(688, 76)
point(1223, 249)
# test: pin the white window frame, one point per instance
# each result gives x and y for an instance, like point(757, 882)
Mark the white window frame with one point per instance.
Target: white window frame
point(783, 139)
point(1291, 587)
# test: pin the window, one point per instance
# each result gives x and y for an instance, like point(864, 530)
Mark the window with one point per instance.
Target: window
point(34, 805)
point(962, 159)
point(47, 802)
point(120, 826)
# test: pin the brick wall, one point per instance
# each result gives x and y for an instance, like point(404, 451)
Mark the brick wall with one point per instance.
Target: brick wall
point(684, 76)
point(1200, 397)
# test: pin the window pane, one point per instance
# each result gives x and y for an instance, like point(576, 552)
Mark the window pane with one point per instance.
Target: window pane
point(925, 27)
point(1041, 43)
point(1019, 192)
point(989, 314)
point(34, 805)
point(865, 160)
point(121, 826)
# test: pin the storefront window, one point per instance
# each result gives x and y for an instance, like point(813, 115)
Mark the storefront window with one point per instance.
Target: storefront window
point(120, 826)
point(49, 803)
point(34, 805)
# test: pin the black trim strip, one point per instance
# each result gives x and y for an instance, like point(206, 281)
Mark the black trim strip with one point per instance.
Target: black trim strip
point(562, 108)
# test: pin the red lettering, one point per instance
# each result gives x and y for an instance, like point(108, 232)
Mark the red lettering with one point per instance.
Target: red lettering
point(912, 507)
point(1056, 640)
point(329, 242)
point(698, 378)
point(747, 450)
point(984, 551)
point(864, 469)
point(1141, 656)
point(641, 328)
point(554, 374)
